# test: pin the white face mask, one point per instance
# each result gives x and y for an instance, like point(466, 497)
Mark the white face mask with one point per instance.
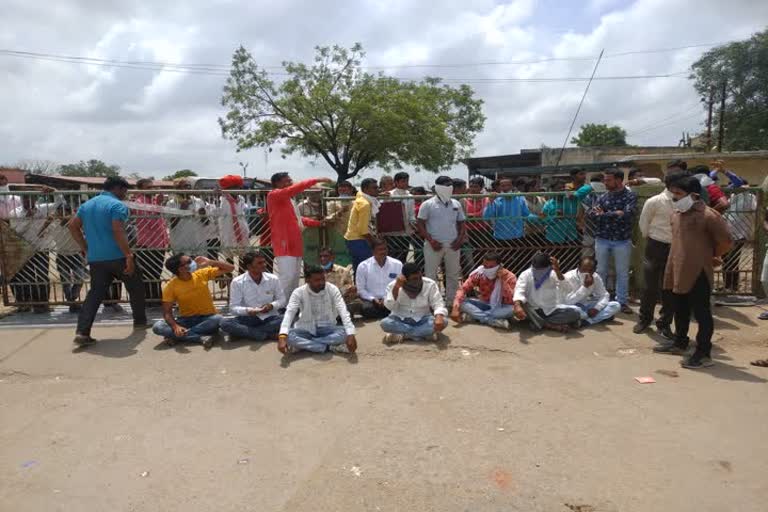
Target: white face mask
point(704, 180)
point(490, 273)
point(444, 192)
point(684, 204)
point(598, 187)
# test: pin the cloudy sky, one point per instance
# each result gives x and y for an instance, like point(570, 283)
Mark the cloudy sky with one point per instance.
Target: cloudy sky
point(156, 121)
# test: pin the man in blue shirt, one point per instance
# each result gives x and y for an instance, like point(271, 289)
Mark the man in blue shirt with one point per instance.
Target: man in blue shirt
point(509, 215)
point(613, 216)
point(99, 230)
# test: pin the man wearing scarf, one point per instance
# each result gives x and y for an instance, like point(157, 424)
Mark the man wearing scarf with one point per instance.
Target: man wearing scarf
point(539, 296)
point(494, 288)
point(286, 226)
point(362, 223)
point(585, 289)
point(441, 225)
point(418, 311)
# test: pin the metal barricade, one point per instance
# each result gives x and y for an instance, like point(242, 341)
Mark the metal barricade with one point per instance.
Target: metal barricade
point(41, 264)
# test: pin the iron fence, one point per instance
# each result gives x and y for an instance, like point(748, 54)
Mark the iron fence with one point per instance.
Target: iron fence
point(41, 264)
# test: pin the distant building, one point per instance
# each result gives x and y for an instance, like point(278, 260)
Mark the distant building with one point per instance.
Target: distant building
point(13, 174)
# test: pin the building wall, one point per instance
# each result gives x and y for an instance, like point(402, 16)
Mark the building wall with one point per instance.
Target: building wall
point(13, 175)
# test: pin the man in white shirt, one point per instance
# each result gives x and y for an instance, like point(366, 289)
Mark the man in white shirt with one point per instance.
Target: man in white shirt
point(8, 203)
point(372, 277)
point(255, 298)
point(655, 225)
point(441, 225)
point(417, 308)
point(317, 305)
point(539, 296)
point(400, 244)
point(190, 233)
point(587, 291)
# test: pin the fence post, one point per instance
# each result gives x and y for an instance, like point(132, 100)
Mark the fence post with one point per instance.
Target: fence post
point(760, 245)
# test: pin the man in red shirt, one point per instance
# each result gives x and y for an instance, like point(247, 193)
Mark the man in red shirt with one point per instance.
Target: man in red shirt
point(495, 290)
point(286, 226)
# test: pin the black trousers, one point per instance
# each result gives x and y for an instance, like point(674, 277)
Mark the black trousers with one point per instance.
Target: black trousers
point(31, 283)
point(654, 265)
point(698, 301)
point(102, 275)
point(373, 311)
point(151, 262)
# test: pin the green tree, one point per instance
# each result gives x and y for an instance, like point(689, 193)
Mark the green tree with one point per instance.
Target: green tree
point(351, 119)
point(600, 135)
point(183, 173)
point(89, 168)
point(743, 67)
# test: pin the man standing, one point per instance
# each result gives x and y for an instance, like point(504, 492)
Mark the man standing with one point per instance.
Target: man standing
point(151, 239)
point(286, 225)
point(340, 209)
point(233, 226)
point(99, 230)
point(613, 215)
point(372, 277)
point(478, 231)
point(386, 184)
point(656, 227)
point(190, 233)
point(418, 311)
point(362, 222)
point(198, 319)
point(587, 292)
point(400, 245)
point(8, 203)
point(441, 225)
point(494, 289)
point(255, 298)
point(539, 296)
point(317, 305)
point(699, 238)
point(509, 215)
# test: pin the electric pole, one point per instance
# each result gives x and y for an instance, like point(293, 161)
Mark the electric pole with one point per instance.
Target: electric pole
point(710, 106)
point(721, 132)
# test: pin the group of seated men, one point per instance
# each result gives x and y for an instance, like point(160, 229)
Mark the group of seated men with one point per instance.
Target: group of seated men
point(316, 317)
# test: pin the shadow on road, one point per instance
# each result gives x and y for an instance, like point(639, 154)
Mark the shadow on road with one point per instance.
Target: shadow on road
point(115, 347)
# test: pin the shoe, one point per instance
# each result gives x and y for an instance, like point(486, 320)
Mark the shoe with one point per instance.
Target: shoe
point(670, 348)
point(207, 342)
point(641, 326)
point(169, 342)
point(583, 324)
point(666, 332)
point(137, 326)
point(763, 315)
point(83, 340)
point(627, 310)
point(340, 348)
point(393, 339)
point(499, 323)
point(696, 362)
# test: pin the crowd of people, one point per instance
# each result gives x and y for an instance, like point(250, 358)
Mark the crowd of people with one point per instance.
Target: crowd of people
point(411, 288)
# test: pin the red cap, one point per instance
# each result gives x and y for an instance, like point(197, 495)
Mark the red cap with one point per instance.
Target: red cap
point(231, 181)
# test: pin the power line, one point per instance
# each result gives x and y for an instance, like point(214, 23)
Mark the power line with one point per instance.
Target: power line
point(669, 118)
point(664, 125)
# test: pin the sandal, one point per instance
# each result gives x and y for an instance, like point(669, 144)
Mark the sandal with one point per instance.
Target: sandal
point(762, 363)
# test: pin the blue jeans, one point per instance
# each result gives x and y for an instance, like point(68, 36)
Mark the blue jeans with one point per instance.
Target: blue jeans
point(414, 329)
point(484, 313)
point(608, 312)
point(197, 327)
point(620, 251)
point(359, 251)
point(253, 327)
point(325, 337)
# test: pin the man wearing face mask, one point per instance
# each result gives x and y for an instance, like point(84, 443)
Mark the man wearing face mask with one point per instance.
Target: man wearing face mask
point(317, 305)
point(494, 288)
point(198, 318)
point(656, 226)
point(441, 225)
point(539, 296)
point(587, 292)
point(700, 237)
point(613, 215)
point(418, 311)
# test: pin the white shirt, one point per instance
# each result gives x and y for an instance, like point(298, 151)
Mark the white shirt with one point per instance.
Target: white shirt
point(426, 302)
point(190, 232)
point(372, 279)
point(740, 215)
point(656, 218)
point(8, 204)
point(246, 295)
point(577, 293)
point(226, 223)
point(316, 309)
point(547, 298)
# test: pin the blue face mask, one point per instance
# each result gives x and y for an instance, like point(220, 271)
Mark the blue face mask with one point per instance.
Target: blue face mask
point(328, 266)
point(192, 266)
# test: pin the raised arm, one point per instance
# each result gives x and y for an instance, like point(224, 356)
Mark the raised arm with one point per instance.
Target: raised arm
point(297, 188)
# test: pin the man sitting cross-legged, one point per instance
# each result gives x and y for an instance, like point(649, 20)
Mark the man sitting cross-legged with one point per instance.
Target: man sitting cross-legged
point(587, 291)
point(495, 289)
point(539, 296)
point(372, 277)
point(197, 319)
point(255, 298)
point(412, 300)
point(317, 304)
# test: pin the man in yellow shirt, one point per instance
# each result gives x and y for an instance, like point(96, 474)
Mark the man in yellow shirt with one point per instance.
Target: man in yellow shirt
point(362, 222)
point(198, 319)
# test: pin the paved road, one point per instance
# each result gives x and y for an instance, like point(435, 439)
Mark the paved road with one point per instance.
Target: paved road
point(484, 421)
